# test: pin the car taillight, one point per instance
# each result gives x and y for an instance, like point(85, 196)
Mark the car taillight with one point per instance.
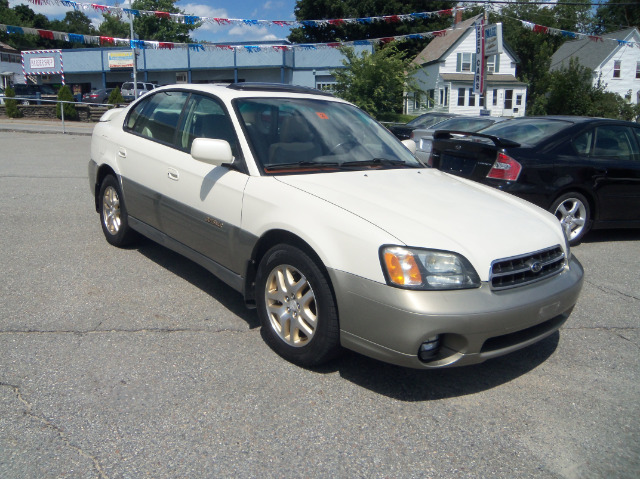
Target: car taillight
point(93, 96)
point(505, 168)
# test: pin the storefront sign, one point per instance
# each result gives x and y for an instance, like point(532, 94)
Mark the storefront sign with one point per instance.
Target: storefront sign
point(119, 60)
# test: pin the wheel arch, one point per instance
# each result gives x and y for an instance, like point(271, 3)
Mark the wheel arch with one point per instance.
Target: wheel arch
point(268, 240)
point(103, 171)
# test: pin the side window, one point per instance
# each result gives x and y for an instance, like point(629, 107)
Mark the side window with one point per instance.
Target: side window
point(582, 143)
point(157, 117)
point(206, 118)
point(616, 142)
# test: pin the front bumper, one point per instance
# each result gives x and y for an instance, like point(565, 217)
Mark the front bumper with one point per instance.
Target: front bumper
point(390, 324)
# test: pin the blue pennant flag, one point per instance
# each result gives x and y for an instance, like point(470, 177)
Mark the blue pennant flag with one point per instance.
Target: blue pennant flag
point(75, 38)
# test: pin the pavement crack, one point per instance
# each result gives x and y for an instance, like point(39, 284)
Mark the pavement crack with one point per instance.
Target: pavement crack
point(605, 289)
point(28, 411)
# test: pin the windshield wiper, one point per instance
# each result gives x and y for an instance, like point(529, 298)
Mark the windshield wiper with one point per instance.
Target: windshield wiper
point(302, 164)
point(374, 162)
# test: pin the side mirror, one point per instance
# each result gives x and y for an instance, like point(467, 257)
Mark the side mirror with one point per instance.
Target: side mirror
point(411, 146)
point(213, 152)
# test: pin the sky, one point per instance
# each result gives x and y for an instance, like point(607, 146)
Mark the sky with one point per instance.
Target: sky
point(239, 9)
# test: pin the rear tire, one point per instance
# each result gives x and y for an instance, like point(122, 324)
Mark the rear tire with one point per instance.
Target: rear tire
point(296, 307)
point(113, 213)
point(574, 214)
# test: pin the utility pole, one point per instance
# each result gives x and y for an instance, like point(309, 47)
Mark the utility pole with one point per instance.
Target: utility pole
point(135, 56)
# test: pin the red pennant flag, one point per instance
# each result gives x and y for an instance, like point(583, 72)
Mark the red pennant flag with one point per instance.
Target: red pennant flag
point(45, 34)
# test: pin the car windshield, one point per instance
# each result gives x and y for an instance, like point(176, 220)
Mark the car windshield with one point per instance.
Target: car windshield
point(530, 130)
point(293, 135)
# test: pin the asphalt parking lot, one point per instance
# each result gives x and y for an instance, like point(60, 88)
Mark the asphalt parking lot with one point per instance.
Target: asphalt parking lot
point(130, 363)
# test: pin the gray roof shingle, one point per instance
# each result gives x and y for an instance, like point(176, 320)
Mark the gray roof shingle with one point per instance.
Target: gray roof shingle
point(589, 53)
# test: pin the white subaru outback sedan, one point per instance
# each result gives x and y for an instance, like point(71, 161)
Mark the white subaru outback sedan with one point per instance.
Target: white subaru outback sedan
point(330, 227)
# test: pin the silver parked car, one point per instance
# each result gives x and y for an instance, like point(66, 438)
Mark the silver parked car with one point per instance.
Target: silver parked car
point(128, 91)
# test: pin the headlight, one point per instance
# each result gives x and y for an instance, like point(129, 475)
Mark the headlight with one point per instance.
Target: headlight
point(424, 269)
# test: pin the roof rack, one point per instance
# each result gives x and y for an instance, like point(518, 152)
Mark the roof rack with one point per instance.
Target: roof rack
point(277, 87)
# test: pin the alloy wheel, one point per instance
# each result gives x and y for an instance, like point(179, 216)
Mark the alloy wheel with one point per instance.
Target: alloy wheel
point(111, 210)
point(291, 305)
point(572, 214)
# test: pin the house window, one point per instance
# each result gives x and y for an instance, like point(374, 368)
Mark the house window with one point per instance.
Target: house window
point(518, 99)
point(461, 96)
point(508, 99)
point(444, 96)
point(326, 86)
point(431, 98)
point(464, 62)
point(616, 68)
point(481, 101)
point(416, 101)
point(638, 70)
point(472, 98)
point(495, 97)
point(493, 64)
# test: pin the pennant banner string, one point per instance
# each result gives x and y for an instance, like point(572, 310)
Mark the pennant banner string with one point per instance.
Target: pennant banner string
point(146, 44)
point(193, 19)
point(571, 35)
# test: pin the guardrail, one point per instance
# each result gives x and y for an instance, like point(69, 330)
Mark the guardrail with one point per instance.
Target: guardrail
point(43, 100)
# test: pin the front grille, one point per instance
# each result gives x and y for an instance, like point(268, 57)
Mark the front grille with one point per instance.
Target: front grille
point(526, 269)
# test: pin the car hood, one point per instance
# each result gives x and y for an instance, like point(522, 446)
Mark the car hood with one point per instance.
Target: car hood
point(427, 208)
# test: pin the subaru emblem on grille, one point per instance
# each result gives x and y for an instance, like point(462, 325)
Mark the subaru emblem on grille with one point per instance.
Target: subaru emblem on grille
point(534, 266)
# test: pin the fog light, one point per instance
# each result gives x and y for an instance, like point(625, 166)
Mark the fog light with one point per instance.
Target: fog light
point(429, 349)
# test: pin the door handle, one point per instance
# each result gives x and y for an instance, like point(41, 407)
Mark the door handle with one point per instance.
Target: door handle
point(122, 153)
point(172, 174)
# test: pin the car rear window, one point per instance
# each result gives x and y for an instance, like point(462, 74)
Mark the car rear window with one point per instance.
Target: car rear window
point(531, 131)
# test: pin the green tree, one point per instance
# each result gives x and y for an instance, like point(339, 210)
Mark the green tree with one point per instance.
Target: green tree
point(114, 25)
point(11, 105)
point(115, 97)
point(148, 27)
point(609, 18)
point(74, 22)
point(70, 113)
point(534, 49)
point(572, 92)
point(375, 81)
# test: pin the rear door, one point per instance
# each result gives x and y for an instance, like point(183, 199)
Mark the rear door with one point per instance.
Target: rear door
point(615, 156)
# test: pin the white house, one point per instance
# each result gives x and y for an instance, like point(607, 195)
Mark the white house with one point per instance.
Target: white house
point(615, 61)
point(446, 73)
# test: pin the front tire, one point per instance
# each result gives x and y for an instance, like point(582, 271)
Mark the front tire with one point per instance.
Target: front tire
point(574, 214)
point(113, 213)
point(296, 307)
